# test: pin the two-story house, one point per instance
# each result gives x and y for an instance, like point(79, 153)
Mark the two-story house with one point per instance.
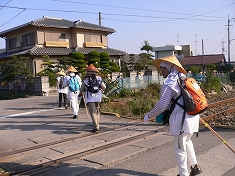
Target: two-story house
point(56, 38)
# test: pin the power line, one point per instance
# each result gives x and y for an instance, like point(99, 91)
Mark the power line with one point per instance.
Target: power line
point(13, 18)
point(5, 4)
point(149, 10)
point(109, 14)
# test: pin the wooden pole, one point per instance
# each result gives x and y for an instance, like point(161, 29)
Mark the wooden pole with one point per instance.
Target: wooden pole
point(224, 141)
point(88, 115)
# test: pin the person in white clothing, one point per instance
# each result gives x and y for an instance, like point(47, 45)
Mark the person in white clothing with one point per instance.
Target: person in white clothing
point(93, 96)
point(73, 95)
point(183, 147)
point(63, 91)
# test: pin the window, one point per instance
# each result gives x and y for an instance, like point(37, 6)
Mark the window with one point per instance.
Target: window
point(12, 43)
point(28, 39)
point(93, 38)
point(62, 36)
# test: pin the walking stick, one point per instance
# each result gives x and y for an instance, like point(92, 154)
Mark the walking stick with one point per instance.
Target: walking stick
point(224, 141)
point(88, 115)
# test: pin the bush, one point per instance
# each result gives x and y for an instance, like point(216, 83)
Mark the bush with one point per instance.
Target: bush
point(133, 103)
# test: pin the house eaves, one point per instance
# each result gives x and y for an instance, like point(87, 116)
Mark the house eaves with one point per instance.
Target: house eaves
point(60, 23)
point(110, 51)
point(200, 59)
point(51, 51)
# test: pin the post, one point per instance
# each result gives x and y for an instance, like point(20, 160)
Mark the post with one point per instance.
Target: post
point(228, 41)
point(202, 57)
point(100, 18)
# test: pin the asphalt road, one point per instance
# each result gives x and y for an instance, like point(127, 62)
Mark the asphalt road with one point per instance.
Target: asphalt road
point(38, 119)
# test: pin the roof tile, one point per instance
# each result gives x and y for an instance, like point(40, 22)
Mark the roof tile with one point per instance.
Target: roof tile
point(199, 60)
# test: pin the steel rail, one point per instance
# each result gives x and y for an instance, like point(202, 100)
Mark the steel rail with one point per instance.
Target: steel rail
point(221, 102)
point(47, 144)
point(78, 155)
point(103, 147)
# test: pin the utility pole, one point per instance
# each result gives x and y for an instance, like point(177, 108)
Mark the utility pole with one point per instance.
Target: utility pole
point(228, 40)
point(195, 45)
point(202, 57)
point(100, 19)
point(178, 39)
point(223, 46)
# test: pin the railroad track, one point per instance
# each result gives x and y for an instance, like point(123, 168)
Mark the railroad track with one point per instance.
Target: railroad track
point(44, 165)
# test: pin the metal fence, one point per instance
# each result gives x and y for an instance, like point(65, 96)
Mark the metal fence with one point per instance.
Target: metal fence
point(141, 82)
point(144, 81)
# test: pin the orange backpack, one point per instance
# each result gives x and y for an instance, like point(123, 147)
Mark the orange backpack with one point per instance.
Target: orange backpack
point(195, 101)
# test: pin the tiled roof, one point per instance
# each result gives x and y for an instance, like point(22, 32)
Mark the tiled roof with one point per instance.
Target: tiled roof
point(84, 25)
point(2, 50)
point(61, 23)
point(52, 22)
point(13, 53)
point(199, 60)
point(110, 51)
point(52, 51)
point(49, 51)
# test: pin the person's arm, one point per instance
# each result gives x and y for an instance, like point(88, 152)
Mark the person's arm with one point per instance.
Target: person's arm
point(103, 86)
point(82, 89)
point(58, 82)
point(65, 82)
point(165, 100)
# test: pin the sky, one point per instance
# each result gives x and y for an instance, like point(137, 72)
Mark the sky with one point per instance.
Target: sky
point(203, 24)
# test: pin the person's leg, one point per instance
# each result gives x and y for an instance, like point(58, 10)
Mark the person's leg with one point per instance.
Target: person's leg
point(190, 151)
point(181, 154)
point(192, 160)
point(60, 100)
point(76, 105)
point(93, 113)
point(97, 106)
point(65, 100)
point(73, 102)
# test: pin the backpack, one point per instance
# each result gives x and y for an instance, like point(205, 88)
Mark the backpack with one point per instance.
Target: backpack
point(195, 101)
point(61, 82)
point(93, 85)
point(73, 84)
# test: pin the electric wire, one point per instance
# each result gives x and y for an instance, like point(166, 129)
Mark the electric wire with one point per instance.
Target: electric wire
point(108, 14)
point(149, 10)
point(12, 18)
point(5, 4)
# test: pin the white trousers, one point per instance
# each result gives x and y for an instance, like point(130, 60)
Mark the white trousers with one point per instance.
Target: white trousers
point(184, 153)
point(74, 101)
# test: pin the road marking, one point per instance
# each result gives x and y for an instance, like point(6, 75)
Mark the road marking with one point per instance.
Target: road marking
point(26, 113)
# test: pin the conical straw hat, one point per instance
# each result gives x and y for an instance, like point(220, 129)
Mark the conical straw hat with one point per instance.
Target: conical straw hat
point(91, 68)
point(71, 69)
point(61, 73)
point(172, 59)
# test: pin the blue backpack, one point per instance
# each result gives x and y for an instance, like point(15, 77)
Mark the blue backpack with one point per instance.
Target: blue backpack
point(73, 84)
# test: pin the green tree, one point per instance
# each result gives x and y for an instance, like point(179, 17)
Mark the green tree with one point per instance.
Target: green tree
point(211, 81)
point(194, 69)
point(124, 68)
point(114, 67)
point(47, 63)
point(80, 62)
point(94, 58)
point(147, 47)
point(64, 63)
point(132, 60)
point(146, 58)
point(15, 68)
point(105, 62)
point(228, 67)
point(144, 61)
point(48, 70)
